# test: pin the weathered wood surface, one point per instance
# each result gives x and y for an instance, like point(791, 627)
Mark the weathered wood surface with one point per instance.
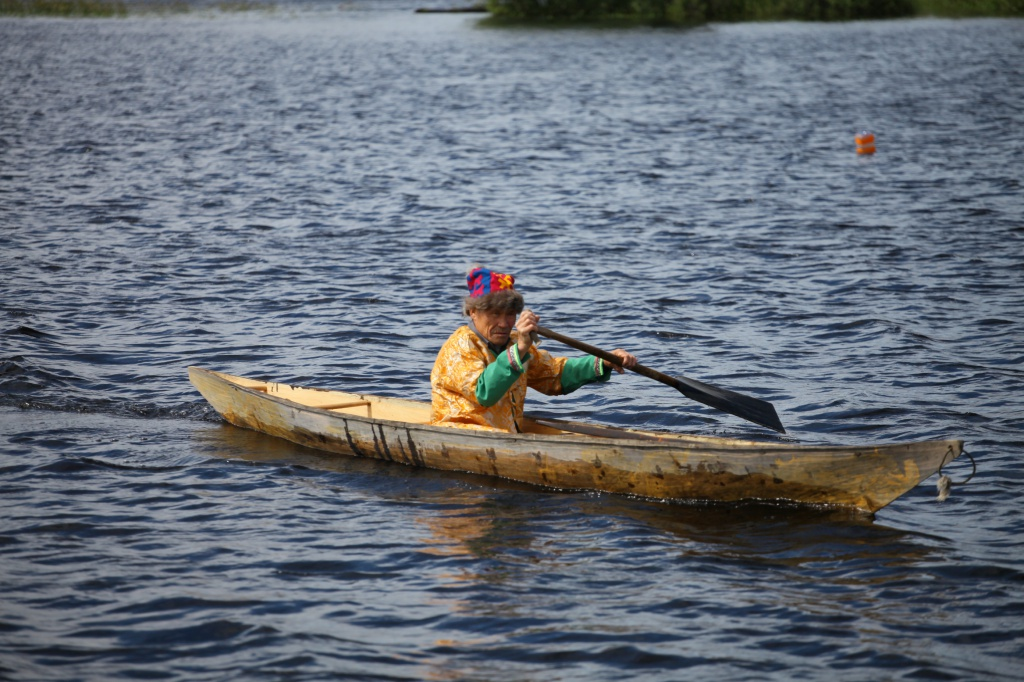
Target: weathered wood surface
point(647, 464)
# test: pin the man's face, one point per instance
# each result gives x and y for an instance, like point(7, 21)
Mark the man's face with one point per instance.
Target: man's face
point(495, 326)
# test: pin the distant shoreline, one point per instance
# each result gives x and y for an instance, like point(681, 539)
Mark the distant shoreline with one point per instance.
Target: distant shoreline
point(608, 14)
point(690, 12)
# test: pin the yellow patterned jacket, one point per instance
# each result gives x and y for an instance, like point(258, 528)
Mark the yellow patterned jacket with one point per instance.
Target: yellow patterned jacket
point(459, 398)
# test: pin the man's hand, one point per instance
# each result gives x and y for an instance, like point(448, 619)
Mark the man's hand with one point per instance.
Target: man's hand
point(628, 360)
point(526, 325)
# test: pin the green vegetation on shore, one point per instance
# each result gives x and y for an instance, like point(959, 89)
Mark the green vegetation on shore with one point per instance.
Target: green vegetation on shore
point(683, 12)
point(969, 8)
point(64, 8)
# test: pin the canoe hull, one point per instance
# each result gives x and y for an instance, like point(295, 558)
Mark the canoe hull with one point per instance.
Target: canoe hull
point(660, 466)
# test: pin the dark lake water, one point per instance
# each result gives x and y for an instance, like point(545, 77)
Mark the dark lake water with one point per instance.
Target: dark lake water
point(296, 195)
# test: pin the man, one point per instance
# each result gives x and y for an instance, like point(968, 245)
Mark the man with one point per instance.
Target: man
point(482, 372)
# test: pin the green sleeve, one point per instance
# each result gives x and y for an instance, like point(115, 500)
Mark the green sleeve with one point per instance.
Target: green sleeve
point(581, 371)
point(497, 378)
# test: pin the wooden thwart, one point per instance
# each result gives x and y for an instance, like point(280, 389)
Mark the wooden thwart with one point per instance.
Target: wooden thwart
point(342, 406)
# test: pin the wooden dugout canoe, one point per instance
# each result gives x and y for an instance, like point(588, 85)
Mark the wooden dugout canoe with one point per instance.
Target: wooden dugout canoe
point(576, 456)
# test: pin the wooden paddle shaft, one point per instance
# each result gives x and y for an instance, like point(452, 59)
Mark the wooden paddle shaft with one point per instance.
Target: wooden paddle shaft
point(603, 354)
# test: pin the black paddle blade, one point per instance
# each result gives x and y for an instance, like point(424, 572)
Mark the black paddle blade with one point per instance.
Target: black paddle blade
point(743, 406)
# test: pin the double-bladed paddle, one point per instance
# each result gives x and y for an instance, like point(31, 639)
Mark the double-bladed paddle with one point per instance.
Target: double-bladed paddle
point(752, 409)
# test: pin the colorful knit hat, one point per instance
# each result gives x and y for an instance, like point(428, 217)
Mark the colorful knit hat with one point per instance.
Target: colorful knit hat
point(482, 281)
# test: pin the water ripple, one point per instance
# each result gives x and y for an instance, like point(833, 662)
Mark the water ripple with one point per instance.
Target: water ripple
point(296, 196)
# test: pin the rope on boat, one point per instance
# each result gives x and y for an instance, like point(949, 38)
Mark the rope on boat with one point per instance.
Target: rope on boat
point(945, 483)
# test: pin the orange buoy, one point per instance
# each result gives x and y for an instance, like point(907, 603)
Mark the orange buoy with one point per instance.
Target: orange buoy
point(865, 143)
